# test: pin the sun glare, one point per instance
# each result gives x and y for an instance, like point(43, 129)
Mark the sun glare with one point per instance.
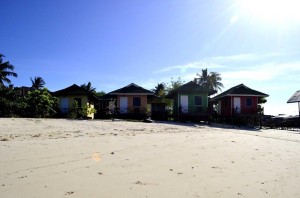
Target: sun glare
point(271, 10)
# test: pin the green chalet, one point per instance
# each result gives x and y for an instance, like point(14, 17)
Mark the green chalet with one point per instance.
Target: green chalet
point(190, 102)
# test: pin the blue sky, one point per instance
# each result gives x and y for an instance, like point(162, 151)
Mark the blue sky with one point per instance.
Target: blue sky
point(112, 43)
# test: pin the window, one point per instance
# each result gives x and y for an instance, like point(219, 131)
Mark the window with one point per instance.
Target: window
point(136, 101)
point(249, 102)
point(198, 100)
point(78, 100)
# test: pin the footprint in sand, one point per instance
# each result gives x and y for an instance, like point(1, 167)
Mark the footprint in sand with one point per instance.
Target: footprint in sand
point(139, 183)
point(69, 193)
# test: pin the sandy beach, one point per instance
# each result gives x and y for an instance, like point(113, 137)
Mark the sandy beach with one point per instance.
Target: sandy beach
point(94, 158)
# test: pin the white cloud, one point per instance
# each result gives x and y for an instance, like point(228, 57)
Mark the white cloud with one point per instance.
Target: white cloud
point(263, 72)
point(222, 62)
point(185, 67)
point(239, 57)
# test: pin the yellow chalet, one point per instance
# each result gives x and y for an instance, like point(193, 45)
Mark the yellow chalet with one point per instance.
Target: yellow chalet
point(69, 95)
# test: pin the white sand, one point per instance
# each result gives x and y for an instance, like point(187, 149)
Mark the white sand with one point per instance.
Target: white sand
point(64, 158)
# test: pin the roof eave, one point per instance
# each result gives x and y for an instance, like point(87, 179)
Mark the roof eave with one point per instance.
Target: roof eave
point(218, 97)
point(131, 94)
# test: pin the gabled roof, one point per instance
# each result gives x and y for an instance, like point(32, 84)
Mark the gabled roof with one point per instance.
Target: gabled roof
point(131, 89)
point(240, 90)
point(74, 90)
point(295, 97)
point(191, 87)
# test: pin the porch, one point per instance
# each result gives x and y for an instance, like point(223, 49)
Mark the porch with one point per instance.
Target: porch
point(192, 113)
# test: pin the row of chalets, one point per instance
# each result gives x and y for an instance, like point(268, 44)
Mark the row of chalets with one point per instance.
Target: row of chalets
point(188, 102)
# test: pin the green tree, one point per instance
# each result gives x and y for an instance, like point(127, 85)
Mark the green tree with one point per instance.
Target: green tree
point(11, 102)
point(174, 84)
point(40, 103)
point(87, 110)
point(211, 80)
point(260, 109)
point(37, 83)
point(88, 87)
point(74, 111)
point(7, 101)
point(6, 70)
point(160, 90)
point(98, 94)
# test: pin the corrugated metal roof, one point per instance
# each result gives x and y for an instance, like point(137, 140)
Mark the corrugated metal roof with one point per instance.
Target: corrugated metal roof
point(295, 97)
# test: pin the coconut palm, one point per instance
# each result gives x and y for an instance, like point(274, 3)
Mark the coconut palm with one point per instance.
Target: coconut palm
point(210, 80)
point(88, 87)
point(37, 82)
point(6, 69)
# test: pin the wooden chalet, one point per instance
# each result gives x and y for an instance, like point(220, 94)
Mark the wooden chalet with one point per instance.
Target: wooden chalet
point(69, 95)
point(240, 100)
point(190, 102)
point(131, 100)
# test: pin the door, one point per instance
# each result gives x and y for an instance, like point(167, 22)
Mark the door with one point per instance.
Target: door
point(184, 103)
point(237, 104)
point(64, 105)
point(123, 104)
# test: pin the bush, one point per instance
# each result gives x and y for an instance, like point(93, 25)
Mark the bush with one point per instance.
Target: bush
point(40, 103)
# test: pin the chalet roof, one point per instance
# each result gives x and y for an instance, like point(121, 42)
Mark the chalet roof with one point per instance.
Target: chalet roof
point(240, 90)
point(74, 90)
point(191, 87)
point(295, 97)
point(131, 89)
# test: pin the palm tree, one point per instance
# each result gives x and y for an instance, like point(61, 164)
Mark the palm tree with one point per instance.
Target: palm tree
point(210, 80)
point(37, 82)
point(88, 87)
point(6, 69)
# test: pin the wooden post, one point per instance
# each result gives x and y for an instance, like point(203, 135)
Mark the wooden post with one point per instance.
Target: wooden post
point(299, 111)
point(178, 106)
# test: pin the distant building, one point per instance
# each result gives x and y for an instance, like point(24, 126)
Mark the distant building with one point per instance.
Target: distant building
point(23, 91)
